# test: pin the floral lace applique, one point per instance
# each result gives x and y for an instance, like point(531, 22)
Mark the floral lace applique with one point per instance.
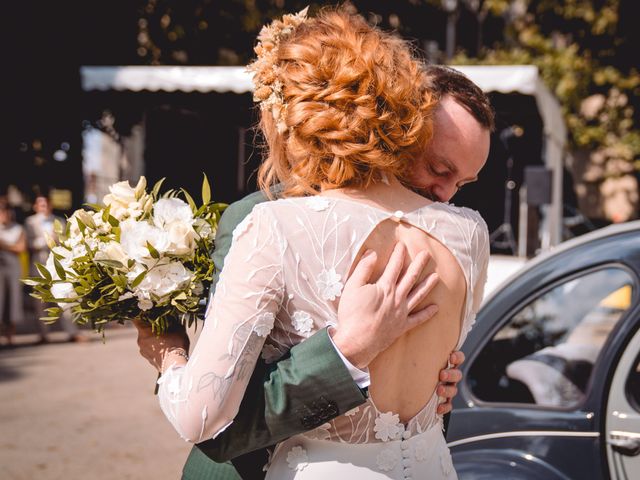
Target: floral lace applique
point(387, 426)
point(317, 203)
point(320, 433)
point(352, 412)
point(302, 322)
point(387, 460)
point(297, 458)
point(329, 284)
point(264, 324)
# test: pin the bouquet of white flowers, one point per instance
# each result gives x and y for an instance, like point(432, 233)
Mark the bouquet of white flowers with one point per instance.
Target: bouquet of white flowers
point(140, 255)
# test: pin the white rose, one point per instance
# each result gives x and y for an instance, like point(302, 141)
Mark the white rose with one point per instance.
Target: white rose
point(111, 251)
point(163, 279)
point(121, 192)
point(170, 210)
point(125, 201)
point(182, 238)
point(134, 236)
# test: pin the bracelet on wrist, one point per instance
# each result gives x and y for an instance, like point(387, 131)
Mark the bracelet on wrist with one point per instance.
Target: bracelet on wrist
point(181, 352)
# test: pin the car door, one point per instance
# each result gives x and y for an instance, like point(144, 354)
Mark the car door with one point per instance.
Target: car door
point(533, 384)
point(622, 425)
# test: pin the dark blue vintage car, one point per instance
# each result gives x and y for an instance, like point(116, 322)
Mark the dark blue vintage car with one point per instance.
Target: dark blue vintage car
point(551, 385)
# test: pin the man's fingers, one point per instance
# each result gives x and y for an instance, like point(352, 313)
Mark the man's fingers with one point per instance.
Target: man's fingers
point(445, 408)
point(447, 391)
point(394, 266)
point(422, 290)
point(413, 273)
point(457, 358)
point(364, 269)
point(450, 375)
point(421, 316)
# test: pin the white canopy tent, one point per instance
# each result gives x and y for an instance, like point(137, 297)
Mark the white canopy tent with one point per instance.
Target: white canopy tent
point(523, 79)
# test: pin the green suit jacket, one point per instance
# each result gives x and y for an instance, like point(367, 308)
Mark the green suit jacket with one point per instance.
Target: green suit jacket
point(301, 391)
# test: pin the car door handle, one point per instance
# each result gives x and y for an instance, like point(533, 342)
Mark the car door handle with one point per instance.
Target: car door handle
point(625, 444)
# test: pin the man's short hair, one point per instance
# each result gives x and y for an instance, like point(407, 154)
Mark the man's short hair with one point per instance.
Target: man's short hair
point(445, 80)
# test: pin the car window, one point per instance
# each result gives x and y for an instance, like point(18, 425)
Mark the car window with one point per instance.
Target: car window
point(545, 353)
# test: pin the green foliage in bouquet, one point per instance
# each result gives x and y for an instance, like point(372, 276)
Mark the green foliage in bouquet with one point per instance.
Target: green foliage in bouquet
point(140, 255)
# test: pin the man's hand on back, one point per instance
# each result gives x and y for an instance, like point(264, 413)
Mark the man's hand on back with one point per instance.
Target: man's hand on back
point(372, 316)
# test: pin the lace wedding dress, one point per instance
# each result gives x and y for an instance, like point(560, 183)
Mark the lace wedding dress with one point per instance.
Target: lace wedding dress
point(281, 283)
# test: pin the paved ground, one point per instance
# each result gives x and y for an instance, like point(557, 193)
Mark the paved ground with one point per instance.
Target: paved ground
point(83, 411)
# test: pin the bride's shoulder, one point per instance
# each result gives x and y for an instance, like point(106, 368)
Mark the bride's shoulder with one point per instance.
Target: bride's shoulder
point(314, 203)
point(464, 214)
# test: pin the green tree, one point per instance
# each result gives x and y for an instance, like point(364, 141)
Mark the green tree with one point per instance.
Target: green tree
point(582, 53)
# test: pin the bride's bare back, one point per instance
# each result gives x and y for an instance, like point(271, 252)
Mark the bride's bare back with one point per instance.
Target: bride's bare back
point(404, 377)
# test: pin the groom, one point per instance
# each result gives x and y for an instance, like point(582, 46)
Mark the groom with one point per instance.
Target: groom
point(319, 379)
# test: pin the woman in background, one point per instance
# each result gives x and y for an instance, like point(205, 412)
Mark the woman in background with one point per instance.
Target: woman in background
point(12, 243)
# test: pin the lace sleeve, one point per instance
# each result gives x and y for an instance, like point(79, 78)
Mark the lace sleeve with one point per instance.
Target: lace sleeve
point(201, 398)
point(481, 249)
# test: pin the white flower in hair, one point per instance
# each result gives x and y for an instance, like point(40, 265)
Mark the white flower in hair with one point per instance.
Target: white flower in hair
point(267, 87)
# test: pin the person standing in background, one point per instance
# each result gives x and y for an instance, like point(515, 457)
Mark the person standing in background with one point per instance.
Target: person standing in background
point(39, 226)
point(12, 244)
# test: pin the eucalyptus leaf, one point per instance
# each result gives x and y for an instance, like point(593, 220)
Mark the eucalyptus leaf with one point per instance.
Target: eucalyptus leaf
point(138, 279)
point(110, 263)
point(81, 226)
point(190, 200)
point(59, 269)
point(206, 190)
point(154, 253)
point(156, 187)
point(44, 272)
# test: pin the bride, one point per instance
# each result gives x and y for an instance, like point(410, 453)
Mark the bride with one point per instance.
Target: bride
point(346, 114)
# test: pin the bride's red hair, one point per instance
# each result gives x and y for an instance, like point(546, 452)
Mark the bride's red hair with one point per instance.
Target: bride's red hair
point(357, 105)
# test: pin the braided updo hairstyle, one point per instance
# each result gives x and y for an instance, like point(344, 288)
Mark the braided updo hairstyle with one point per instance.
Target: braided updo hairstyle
point(355, 105)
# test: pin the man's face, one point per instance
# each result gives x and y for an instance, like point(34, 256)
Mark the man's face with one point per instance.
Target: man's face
point(455, 155)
